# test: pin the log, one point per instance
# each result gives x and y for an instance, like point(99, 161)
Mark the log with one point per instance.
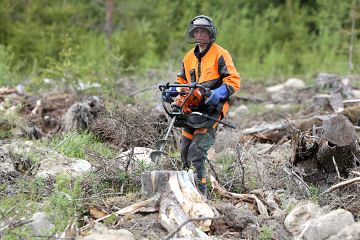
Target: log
point(263, 128)
point(179, 202)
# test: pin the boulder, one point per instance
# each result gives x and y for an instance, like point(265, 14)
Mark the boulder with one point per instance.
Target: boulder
point(41, 224)
point(351, 232)
point(296, 220)
point(327, 225)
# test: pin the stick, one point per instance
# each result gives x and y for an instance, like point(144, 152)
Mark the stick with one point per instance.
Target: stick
point(336, 167)
point(356, 173)
point(341, 184)
point(127, 210)
point(190, 220)
point(298, 180)
point(16, 224)
point(67, 138)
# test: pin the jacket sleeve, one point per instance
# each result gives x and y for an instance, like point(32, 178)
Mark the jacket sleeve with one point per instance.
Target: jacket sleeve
point(181, 76)
point(227, 71)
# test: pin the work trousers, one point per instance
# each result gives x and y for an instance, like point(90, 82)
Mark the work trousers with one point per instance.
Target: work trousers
point(194, 145)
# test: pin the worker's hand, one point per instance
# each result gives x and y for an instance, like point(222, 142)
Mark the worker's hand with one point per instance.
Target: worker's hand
point(216, 95)
point(171, 92)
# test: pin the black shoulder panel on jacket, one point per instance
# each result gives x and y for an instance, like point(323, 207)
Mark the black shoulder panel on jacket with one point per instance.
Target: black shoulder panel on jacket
point(222, 68)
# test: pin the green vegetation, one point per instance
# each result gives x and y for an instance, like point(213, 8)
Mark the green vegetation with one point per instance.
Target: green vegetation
point(76, 144)
point(314, 194)
point(21, 205)
point(66, 42)
point(266, 232)
point(63, 204)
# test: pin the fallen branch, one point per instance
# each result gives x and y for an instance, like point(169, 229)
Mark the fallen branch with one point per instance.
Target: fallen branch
point(298, 180)
point(127, 210)
point(15, 224)
point(341, 184)
point(267, 127)
point(356, 173)
point(242, 197)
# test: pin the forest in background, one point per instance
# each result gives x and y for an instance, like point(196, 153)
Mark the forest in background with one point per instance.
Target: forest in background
point(98, 41)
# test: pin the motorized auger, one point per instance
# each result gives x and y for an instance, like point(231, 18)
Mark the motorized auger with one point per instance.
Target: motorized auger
point(187, 108)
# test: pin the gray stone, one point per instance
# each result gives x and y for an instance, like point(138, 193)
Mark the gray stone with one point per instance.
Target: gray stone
point(323, 227)
point(242, 109)
point(294, 83)
point(275, 88)
point(41, 224)
point(351, 232)
point(295, 221)
point(101, 232)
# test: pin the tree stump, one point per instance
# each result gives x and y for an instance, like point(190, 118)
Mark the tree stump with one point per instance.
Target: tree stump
point(179, 202)
point(338, 145)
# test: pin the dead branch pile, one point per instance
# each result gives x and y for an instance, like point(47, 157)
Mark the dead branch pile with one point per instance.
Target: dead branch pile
point(46, 113)
point(130, 126)
point(345, 194)
point(82, 114)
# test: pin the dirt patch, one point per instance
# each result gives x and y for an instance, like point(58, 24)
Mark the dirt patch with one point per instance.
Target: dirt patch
point(46, 112)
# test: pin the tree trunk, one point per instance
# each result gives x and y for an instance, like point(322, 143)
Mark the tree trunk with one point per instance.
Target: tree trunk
point(180, 201)
point(109, 20)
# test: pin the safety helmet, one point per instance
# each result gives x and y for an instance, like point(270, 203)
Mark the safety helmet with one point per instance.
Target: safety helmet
point(203, 22)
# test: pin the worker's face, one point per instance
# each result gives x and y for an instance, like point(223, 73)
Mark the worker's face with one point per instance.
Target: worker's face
point(201, 36)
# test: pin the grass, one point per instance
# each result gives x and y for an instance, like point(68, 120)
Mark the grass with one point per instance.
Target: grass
point(20, 205)
point(63, 204)
point(76, 144)
point(266, 232)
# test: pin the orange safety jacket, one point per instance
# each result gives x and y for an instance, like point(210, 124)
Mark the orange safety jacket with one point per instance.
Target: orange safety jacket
point(211, 68)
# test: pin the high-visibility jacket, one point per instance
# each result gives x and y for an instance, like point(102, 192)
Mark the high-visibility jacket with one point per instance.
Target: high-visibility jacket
point(210, 68)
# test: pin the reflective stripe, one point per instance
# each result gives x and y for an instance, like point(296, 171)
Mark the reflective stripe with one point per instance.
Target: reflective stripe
point(187, 135)
point(200, 130)
point(216, 123)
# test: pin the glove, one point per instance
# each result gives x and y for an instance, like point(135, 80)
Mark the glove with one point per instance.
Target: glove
point(218, 94)
point(166, 97)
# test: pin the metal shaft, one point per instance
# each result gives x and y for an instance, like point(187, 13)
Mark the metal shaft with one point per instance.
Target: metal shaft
point(168, 132)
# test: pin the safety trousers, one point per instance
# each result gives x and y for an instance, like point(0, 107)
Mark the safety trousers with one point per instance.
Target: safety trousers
point(194, 145)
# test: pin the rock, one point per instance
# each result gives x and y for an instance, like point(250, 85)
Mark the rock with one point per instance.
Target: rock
point(231, 114)
point(51, 162)
point(6, 163)
point(41, 224)
point(242, 109)
point(102, 232)
point(52, 166)
point(275, 88)
point(81, 166)
point(351, 232)
point(20, 89)
point(140, 154)
point(355, 93)
point(270, 106)
point(323, 227)
point(285, 107)
point(295, 221)
point(294, 83)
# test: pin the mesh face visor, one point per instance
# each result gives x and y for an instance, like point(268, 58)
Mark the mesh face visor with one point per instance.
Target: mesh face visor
point(200, 23)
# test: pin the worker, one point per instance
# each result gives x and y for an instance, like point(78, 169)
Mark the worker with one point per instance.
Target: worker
point(211, 66)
